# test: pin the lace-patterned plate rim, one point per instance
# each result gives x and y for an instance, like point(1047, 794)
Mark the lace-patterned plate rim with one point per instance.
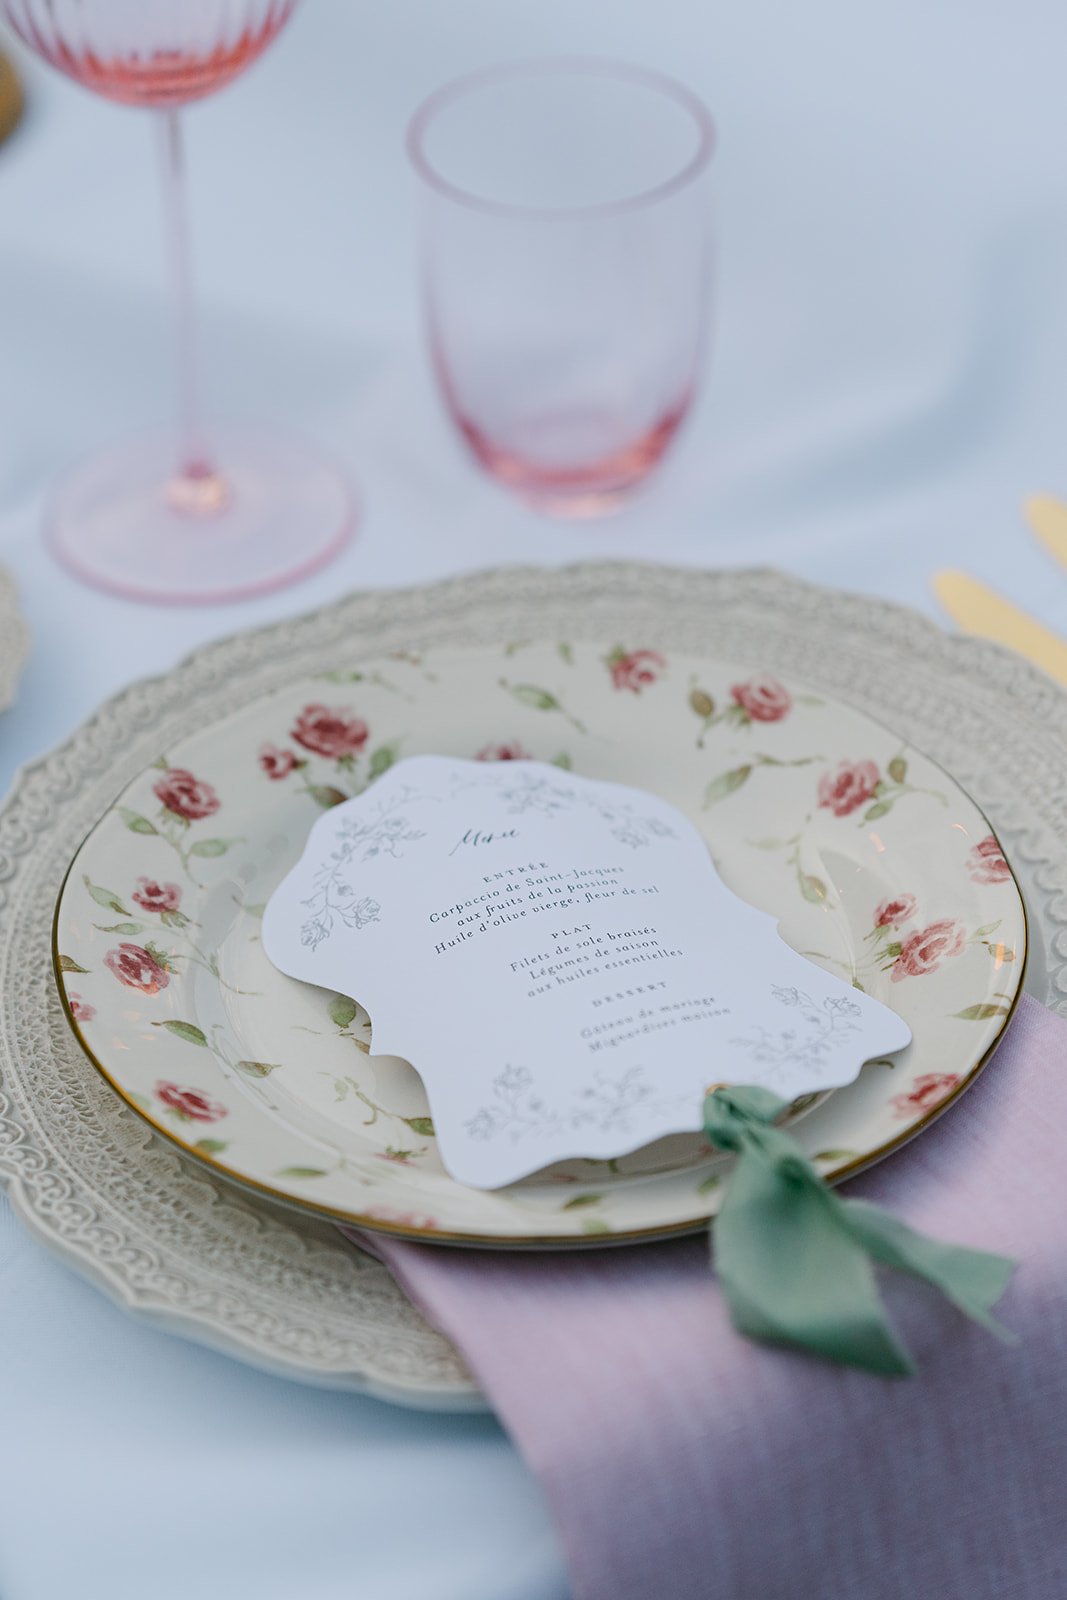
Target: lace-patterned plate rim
point(14, 639)
point(73, 1158)
point(221, 757)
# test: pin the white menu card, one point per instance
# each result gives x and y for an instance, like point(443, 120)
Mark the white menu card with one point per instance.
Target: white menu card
point(559, 960)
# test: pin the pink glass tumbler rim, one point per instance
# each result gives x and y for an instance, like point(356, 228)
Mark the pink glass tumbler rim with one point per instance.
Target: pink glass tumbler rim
point(595, 66)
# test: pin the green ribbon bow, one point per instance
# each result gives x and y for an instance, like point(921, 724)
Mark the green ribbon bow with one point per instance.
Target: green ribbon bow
point(795, 1260)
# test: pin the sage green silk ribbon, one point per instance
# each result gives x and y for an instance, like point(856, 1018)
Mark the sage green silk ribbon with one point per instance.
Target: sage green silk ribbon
point(796, 1260)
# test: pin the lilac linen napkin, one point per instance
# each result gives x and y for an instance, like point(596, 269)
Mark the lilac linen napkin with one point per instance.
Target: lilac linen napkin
point(682, 1462)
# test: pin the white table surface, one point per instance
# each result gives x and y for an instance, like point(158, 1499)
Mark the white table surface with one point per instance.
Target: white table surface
point(890, 379)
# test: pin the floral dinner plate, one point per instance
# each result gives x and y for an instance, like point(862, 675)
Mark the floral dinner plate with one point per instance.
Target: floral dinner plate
point(875, 862)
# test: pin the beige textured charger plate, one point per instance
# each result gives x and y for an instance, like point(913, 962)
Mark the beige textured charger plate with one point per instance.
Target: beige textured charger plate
point(182, 1249)
point(14, 639)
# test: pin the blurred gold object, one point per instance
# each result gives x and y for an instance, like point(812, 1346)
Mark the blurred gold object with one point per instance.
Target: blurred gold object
point(1047, 517)
point(976, 608)
point(11, 101)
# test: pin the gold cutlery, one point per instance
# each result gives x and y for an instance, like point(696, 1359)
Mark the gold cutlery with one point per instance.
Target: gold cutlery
point(1047, 517)
point(978, 609)
point(10, 98)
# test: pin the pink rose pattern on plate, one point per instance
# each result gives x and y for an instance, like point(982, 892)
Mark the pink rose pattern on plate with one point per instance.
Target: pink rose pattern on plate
point(634, 669)
point(762, 699)
point(139, 967)
point(928, 1090)
point(191, 1105)
point(333, 732)
point(328, 733)
point(403, 1219)
point(185, 800)
point(892, 913)
point(278, 763)
point(849, 787)
point(922, 951)
point(925, 950)
point(153, 896)
point(855, 784)
point(758, 700)
point(185, 796)
point(904, 945)
point(986, 862)
point(508, 750)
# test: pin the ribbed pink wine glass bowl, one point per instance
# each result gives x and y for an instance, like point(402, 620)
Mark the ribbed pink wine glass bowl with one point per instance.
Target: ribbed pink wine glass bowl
point(567, 267)
point(186, 517)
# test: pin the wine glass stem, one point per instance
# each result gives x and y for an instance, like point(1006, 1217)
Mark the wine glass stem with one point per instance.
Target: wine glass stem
point(194, 466)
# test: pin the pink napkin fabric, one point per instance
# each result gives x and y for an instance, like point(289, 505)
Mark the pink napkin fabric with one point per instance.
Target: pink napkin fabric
point(682, 1462)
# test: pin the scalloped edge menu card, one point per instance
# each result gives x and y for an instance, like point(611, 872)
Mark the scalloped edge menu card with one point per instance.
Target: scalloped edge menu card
point(559, 960)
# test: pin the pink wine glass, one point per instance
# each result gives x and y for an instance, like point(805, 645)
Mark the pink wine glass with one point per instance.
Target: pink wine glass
point(190, 518)
point(567, 262)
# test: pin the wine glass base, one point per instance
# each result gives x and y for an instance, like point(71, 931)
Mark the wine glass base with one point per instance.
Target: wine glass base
point(124, 522)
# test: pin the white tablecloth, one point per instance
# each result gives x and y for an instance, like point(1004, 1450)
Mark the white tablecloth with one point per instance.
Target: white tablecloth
point(890, 379)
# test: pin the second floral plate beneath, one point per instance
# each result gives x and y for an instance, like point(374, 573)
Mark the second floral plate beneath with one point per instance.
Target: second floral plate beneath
point(876, 864)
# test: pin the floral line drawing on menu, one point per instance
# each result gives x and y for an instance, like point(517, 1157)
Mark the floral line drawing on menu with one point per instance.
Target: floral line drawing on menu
point(606, 1103)
point(334, 898)
point(540, 794)
point(828, 1024)
point(517, 1109)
